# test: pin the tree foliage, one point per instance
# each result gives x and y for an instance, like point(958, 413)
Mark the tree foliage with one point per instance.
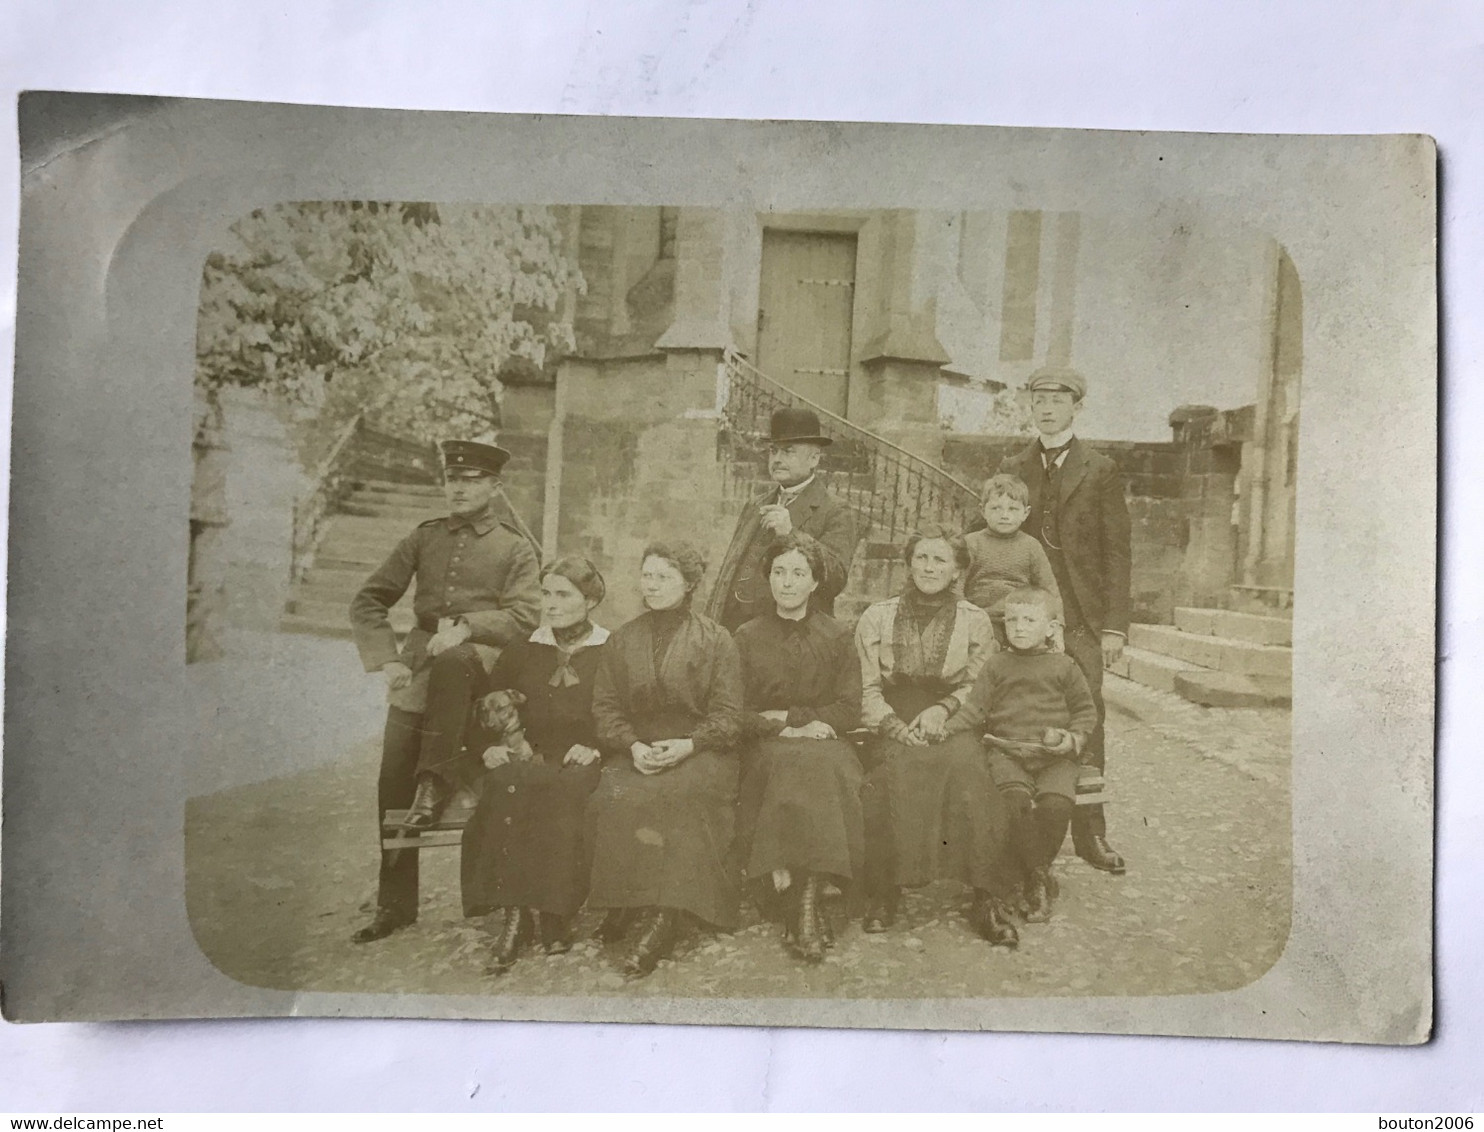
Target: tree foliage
point(406, 312)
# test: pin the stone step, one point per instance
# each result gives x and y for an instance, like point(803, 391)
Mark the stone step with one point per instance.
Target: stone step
point(407, 515)
point(1252, 627)
point(1232, 689)
point(313, 627)
point(432, 502)
point(337, 590)
point(1271, 601)
point(356, 557)
point(335, 613)
point(351, 578)
point(372, 528)
point(1221, 653)
point(389, 487)
point(1152, 669)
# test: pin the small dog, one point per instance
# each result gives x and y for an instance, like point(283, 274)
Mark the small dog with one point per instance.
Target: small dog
point(500, 716)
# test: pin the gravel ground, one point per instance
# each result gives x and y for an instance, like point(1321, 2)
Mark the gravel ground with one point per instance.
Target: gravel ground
point(278, 873)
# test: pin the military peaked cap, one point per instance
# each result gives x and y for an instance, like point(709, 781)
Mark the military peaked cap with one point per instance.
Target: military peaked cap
point(485, 458)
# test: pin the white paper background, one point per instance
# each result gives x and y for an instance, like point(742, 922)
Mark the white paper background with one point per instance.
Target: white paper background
point(1287, 67)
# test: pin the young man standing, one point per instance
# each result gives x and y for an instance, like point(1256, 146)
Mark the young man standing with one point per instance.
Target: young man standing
point(1078, 512)
point(476, 591)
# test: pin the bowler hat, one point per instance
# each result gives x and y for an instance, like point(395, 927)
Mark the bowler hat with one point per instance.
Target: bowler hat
point(797, 426)
point(485, 458)
point(1062, 378)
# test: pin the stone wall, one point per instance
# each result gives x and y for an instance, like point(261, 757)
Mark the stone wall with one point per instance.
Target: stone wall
point(262, 480)
point(633, 458)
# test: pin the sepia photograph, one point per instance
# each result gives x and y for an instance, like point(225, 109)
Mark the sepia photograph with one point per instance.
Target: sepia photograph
point(686, 546)
point(692, 571)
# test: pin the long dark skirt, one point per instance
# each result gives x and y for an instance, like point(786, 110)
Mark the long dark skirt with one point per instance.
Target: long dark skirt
point(932, 813)
point(523, 846)
point(801, 809)
point(662, 840)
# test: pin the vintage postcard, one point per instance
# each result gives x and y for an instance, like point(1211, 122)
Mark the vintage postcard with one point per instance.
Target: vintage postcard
point(780, 573)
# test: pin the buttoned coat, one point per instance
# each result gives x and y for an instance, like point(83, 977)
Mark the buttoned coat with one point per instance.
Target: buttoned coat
point(477, 568)
point(742, 590)
point(1093, 524)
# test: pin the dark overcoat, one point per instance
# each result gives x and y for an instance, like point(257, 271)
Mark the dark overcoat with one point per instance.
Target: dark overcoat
point(1093, 523)
point(742, 592)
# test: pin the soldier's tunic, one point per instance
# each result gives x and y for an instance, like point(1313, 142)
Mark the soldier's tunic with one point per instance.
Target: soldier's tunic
point(475, 568)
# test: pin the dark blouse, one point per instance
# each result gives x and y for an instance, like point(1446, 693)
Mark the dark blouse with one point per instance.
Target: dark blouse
point(688, 687)
point(555, 716)
point(807, 668)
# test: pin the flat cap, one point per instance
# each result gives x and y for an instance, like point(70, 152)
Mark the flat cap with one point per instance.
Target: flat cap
point(1063, 378)
point(485, 458)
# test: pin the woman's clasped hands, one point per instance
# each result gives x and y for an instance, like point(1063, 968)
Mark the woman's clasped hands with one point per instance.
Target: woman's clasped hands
point(662, 754)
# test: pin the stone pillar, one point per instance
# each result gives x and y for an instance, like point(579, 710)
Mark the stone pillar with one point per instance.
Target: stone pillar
point(904, 363)
point(1212, 460)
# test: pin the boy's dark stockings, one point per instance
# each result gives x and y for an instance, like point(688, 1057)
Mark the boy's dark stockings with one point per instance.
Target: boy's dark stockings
point(1037, 827)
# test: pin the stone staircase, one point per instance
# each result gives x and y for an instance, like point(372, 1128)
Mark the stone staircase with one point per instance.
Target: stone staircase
point(1215, 657)
point(374, 518)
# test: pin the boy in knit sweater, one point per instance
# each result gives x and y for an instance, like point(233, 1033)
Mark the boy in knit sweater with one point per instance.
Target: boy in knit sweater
point(1002, 556)
point(1036, 712)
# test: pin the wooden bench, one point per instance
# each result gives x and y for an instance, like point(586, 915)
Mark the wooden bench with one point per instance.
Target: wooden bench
point(448, 830)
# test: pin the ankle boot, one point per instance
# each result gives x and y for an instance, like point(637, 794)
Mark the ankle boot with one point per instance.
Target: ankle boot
point(881, 910)
point(656, 940)
point(428, 802)
point(1038, 897)
point(808, 944)
point(990, 920)
point(512, 940)
point(615, 925)
point(556, 934)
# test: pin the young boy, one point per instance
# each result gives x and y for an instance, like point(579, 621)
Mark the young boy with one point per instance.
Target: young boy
point(1038, 712)
point(1002, 556)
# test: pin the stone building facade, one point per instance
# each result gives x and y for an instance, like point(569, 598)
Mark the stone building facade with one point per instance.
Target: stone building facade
point(884, 316)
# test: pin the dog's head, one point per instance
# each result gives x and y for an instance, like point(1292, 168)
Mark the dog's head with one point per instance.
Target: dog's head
point(499, 711)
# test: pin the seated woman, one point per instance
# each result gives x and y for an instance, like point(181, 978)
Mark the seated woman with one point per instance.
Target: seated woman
point(931, 808)
point(523, 846)
point(668, 704)
point(800, 818)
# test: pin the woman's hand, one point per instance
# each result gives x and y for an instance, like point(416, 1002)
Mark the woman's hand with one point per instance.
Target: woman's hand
point(814, 729)
point(643, 756)
point(578, 755)
point(930, 724)
point(496, 756)
point(397, 674)
point(673, 752)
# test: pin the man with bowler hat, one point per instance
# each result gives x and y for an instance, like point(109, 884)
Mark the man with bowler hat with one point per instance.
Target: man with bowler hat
point(476, 591)
point(1078, 511)
point(797, 503)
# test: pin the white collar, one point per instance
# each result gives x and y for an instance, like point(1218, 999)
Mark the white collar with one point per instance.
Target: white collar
point(795, 491)
point(544, 636)
point(1058, 440)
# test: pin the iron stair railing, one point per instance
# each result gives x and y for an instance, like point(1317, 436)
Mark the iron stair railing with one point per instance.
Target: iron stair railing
point(892, 490)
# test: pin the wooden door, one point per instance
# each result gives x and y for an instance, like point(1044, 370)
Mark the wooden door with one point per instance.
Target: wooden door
point(803, 318)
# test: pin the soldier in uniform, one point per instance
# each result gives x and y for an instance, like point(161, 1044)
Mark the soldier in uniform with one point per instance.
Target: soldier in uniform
point(799, 503)
point(1079, 513)
point(476, 591)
